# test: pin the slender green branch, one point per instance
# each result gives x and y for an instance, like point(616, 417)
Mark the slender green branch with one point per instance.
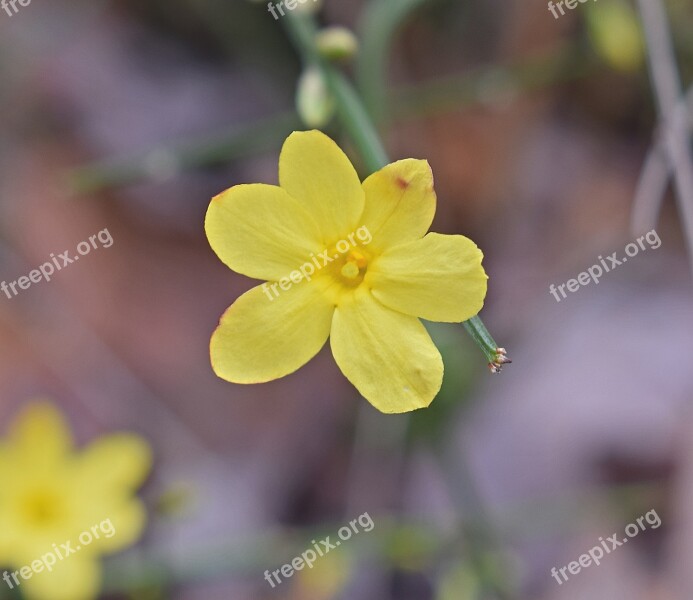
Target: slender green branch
point(496, 356)
point(362, 132)
point(166, 162)
point(476, 328)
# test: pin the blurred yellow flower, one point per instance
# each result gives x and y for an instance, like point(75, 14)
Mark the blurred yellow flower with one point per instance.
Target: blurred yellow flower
point(616, 35)
point(366, 295)
point(325, 580)
point(61, 509)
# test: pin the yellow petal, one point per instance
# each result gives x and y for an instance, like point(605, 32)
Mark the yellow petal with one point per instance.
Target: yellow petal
point(388, 356)
point(117, 463)
point(315, 171)
point(39, 437)
point(118, 527)
point(260, 339)
point(438, 278)
point(76, 577)
point(6, 520)
point(260, 231)
point(106, 476)
point(400, 202)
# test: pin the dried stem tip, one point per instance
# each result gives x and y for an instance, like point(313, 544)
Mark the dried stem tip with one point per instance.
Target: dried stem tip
point(500, 359)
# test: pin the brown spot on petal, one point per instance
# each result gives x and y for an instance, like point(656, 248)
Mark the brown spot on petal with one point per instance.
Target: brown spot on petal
point(402, 183)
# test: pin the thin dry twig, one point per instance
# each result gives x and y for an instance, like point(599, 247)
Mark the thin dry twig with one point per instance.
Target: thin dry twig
point(668, 93)
point(656, 173)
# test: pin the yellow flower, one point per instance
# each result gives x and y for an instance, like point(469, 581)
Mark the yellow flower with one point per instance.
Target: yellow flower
point(325, 580)
point(375, 274)
point(61, 509)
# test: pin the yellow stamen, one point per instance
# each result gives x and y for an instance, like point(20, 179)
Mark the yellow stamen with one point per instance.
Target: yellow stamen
point(358, 258)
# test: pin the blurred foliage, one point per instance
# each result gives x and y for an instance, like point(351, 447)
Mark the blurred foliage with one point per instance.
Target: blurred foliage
point(327, 577)
point(239, 34)
point(411, 548)
point(464, 365)
point(459, 582)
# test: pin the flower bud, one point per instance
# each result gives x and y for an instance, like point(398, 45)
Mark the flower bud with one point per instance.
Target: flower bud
point(314, 102)
point(336, 43)
point(309, 6)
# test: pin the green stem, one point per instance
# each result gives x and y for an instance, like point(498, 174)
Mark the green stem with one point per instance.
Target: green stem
point(355, 118)
point(378, 24)
point(357, 121)
point(483, 546)
point(475, 327)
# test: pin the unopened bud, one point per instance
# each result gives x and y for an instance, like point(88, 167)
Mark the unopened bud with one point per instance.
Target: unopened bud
point(336, 43)
point(314, 101)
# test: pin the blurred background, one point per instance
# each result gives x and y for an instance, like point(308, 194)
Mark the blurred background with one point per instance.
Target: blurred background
point(131, 115)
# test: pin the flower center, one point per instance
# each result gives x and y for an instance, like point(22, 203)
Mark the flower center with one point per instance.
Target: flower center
point(354, 267)
point(41, 507)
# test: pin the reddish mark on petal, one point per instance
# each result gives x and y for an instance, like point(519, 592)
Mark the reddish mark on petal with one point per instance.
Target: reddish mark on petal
point(402, 183)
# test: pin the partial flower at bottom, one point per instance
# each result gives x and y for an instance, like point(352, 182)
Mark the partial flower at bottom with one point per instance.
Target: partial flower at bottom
point(51, 493)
